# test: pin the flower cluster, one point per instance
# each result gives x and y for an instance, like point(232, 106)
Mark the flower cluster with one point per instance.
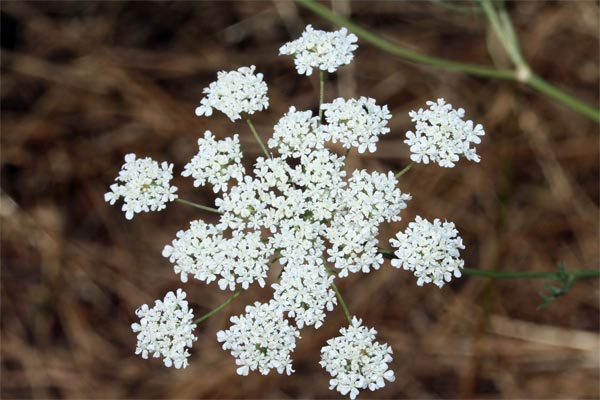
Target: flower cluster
point(322, 50)
point(203, 252)
point(217, 161)
point(307, 134)
point(356, 361)
point(430, 250)
point(304, 291)
point(370, 199)
point(146, 186)
point(261, 340)
point(300, 208)
point(166, 330)
point(356, 123)
point(441, 135)
point(234, 93)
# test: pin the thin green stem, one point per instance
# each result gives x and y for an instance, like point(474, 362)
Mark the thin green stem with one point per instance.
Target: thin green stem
point(521, 74)
point(321, 93)
point(503, 28)
point(575, 274)
point(502, 25)
point(404, 170)
point(338, 294)
point(258, 139)
point(219, 308)
point(555, 93)
point(341, 300)
point(200, 206)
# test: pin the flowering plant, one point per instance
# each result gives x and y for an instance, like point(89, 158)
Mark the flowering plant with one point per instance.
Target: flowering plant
point(301, 208)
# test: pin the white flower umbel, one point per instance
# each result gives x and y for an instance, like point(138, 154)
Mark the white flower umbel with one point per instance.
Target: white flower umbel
point(375, 196)
point(204, 253)
point(356, 123)
point(166, 330)
point(262, 339)
point(322, 50)
point(297, 133)
point(442, 136)
point(430, 250)
point(368, 200)
point(353, 244)
point(304, 292)
point(217, 161)
point(145, 186)
point(356, 361)
point(234, 93)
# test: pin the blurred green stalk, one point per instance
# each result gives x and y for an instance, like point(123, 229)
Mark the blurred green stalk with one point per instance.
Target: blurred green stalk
point(501, 24)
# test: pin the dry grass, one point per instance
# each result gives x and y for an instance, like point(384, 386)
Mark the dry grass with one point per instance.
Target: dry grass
point(85, 83)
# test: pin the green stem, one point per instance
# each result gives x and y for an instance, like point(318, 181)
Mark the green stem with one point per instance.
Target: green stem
point(504, 31)
point(575, 274)
point(338, 294)
point(321, 93)
point(404, 170)
point(502, 25)
point(219, 308)
point(341, 300)
point(200, 206)
point(258, 139)
point(522, 74)
point(562, 97)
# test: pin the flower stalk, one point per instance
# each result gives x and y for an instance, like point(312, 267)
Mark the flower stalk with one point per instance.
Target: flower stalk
point(219, 308)
point(258, 139)
point(200, 206)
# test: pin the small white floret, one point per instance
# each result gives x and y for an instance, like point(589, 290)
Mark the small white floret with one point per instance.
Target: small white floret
point(166, 330)
point(356, 123)
point(356, 361)
point(261, 339)
point(297, 133)
point(203, 252)
point(322, 50)
point(217, 162)
point(145, 186)
point(442, 136)
point(304, 292)
point(430, 250)
point(235, 93)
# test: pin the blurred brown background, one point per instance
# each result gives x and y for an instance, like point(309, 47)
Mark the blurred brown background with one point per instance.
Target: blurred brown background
point(84, 83)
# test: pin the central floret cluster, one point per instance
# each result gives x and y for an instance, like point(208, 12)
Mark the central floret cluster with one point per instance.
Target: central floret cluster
point(304, 202)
